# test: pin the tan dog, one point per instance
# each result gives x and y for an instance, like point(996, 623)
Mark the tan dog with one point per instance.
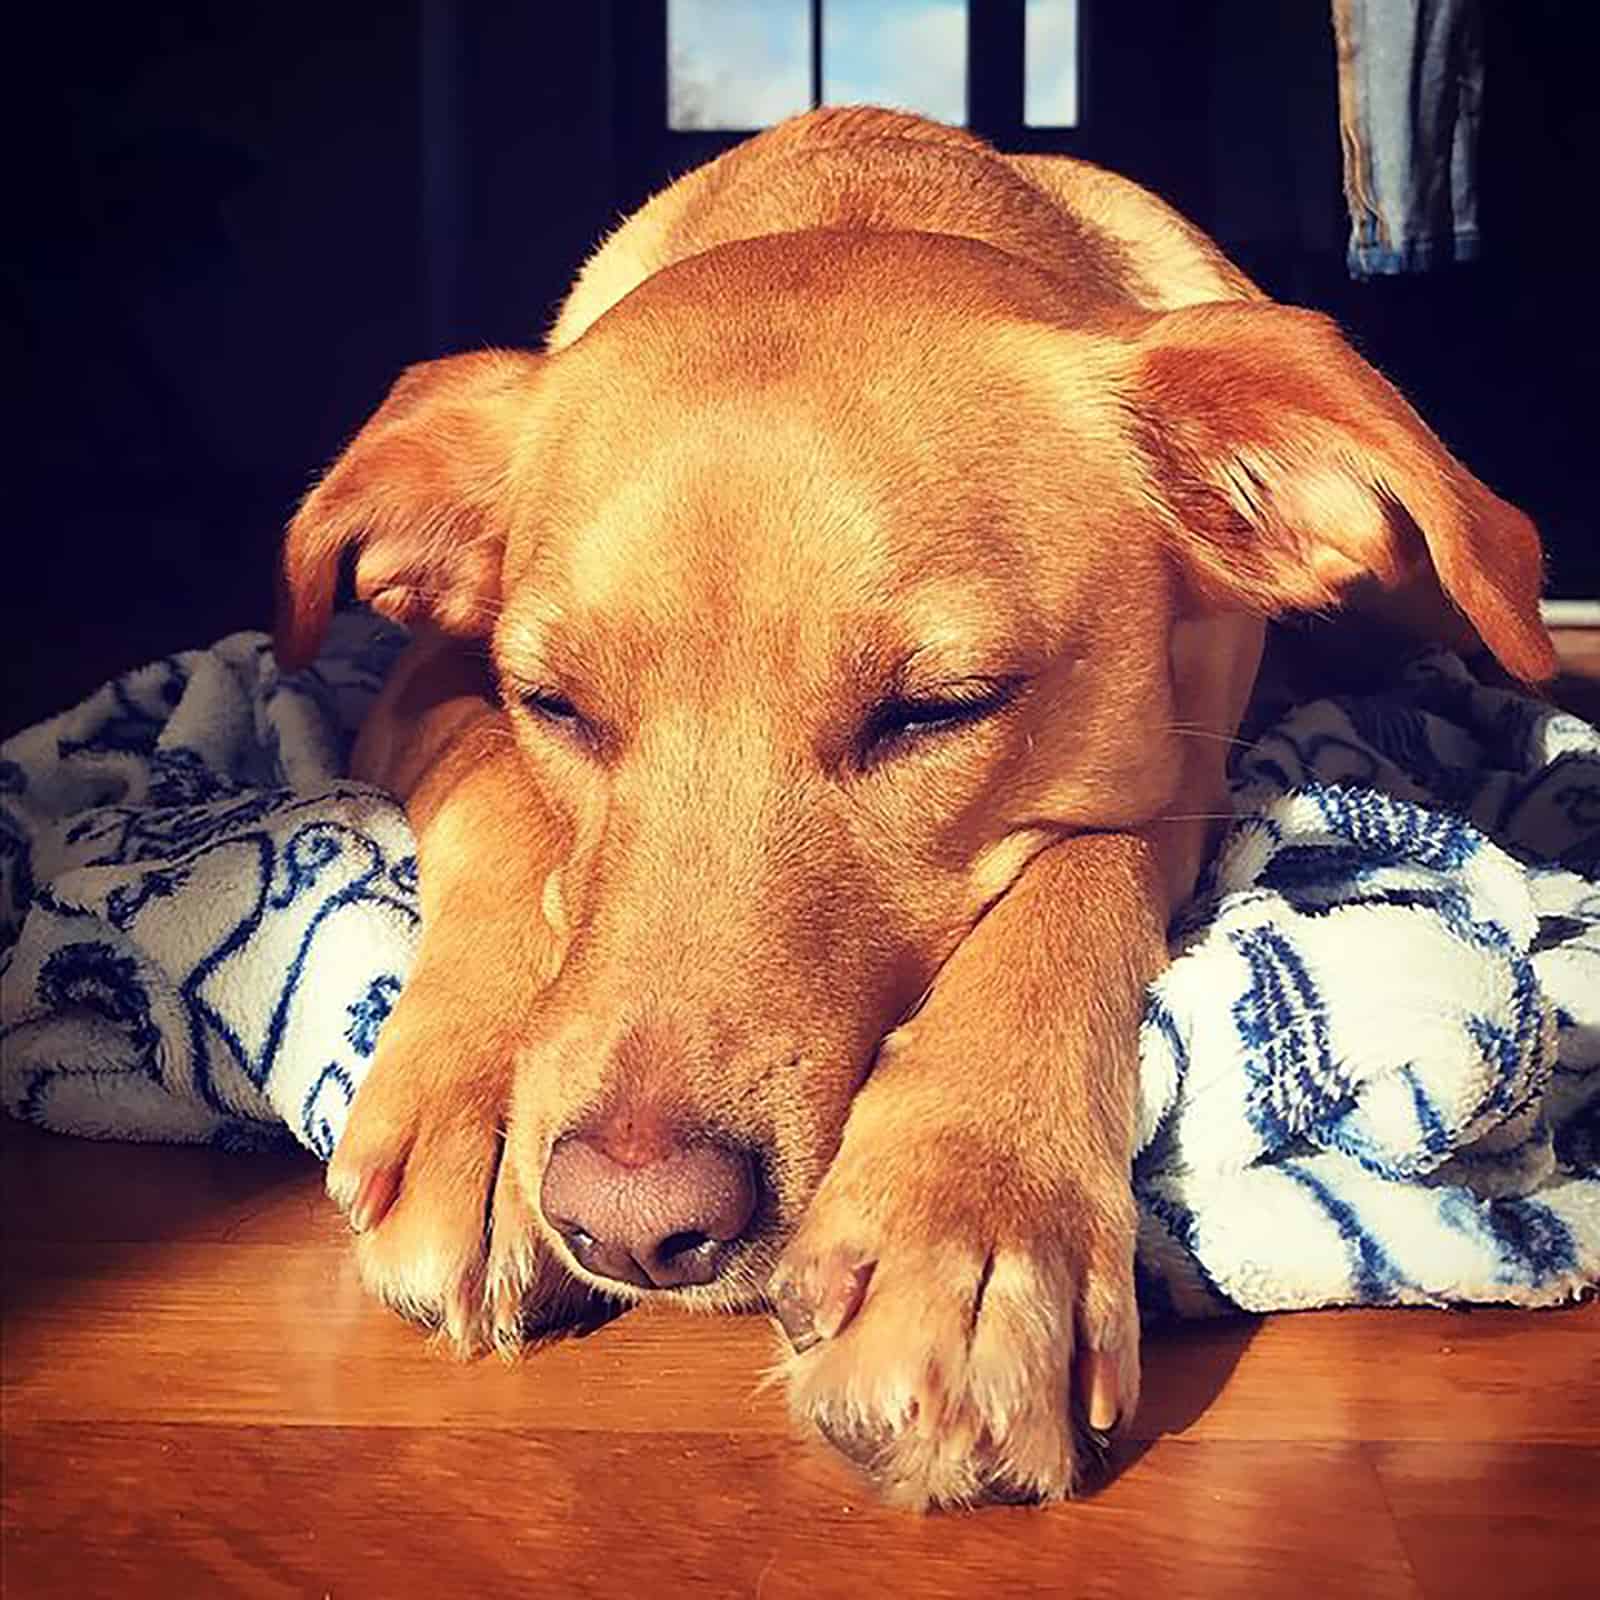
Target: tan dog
point(827, 653)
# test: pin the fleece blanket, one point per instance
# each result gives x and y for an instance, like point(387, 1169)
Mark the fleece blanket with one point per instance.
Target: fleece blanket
point(1371, 1075)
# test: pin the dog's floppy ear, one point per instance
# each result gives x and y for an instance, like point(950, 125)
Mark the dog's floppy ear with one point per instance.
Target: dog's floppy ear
point(1300, 478)
point(417, 491)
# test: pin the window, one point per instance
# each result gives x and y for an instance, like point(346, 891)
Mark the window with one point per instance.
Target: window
point(1050, 64)
point(735, 65)
point(907, 53)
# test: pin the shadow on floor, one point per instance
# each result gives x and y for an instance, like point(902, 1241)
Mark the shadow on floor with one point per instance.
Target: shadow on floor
point(69, 1206)
point(1186, 1366)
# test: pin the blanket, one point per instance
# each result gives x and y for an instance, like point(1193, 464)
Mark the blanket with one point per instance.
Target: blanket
point(1370, 1076)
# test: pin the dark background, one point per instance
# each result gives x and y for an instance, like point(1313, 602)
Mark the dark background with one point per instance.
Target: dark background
point(235, 222)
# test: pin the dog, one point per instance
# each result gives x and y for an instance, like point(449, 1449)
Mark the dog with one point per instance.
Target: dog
point(826, 654)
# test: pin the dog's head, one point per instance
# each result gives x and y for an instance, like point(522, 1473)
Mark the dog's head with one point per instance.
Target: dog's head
point(826, 579)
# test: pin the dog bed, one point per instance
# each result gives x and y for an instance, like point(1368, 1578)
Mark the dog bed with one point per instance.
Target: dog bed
point(1370, 1077)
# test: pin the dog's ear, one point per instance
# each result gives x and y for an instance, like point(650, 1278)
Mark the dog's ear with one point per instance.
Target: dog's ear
point(1301, 479)
point(417, 491)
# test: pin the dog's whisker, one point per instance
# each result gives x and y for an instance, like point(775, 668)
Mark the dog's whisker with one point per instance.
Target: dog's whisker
point(1191, 731)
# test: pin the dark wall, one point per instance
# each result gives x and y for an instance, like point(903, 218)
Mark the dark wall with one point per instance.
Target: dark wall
point(237, 221)
point(1502, 356)
point(231, 215)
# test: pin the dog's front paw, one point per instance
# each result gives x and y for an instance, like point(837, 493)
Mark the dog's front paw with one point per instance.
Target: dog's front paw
point(443, 1232)
point(961, 1333)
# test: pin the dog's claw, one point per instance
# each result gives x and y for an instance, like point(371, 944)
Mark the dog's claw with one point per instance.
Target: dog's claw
point(1098, 1383)
point(817, 1301)
point(374, 1195)
point(795, 1316)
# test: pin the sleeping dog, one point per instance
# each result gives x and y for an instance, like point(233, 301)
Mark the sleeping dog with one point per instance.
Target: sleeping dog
point(826, 653)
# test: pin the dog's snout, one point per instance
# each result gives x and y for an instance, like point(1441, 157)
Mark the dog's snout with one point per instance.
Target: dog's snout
point(659, 1218)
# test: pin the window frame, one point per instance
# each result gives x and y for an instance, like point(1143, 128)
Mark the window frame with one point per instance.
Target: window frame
point(995, 87)
point(1137, 83)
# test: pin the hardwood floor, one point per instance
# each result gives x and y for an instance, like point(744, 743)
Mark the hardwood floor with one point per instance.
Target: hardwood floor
point(199, 1401)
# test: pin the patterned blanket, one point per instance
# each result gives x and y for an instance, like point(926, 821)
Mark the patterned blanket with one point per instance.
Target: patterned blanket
point(1371, 1076)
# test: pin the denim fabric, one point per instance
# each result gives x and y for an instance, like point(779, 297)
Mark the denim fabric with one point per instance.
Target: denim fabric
point(1410, 103)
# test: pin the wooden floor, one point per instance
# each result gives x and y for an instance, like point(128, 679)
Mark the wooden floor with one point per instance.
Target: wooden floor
point(199, 1401)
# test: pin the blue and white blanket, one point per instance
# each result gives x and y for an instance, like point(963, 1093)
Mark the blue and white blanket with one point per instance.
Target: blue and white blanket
point(1372, 1075)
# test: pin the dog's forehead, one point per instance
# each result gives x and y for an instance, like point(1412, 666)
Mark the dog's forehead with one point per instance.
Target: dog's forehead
point(766, 468)
point(749, 509)
point(876, 323)
point(843, 275)
point(723, 536)
point(788, 438)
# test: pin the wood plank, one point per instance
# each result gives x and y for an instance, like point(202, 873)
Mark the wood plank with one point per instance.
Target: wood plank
point(1578, 687)
point(150, 1510)
point(1542, 1503)
point(265, 1332)
point(56, 1188)
point(1394, 1374)
point(1579, 651)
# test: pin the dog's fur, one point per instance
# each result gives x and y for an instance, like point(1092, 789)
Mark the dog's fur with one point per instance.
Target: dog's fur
point(856, 422)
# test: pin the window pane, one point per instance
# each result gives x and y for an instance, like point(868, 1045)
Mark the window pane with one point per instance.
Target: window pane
point(907, 53)
point(1050, 47)
point(737, 63)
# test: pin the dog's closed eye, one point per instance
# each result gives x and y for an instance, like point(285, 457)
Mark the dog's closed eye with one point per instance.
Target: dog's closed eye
point(900, 721)
point(557, 712)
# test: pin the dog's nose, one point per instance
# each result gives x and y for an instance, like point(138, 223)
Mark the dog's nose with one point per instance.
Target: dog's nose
point(659, 1222)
